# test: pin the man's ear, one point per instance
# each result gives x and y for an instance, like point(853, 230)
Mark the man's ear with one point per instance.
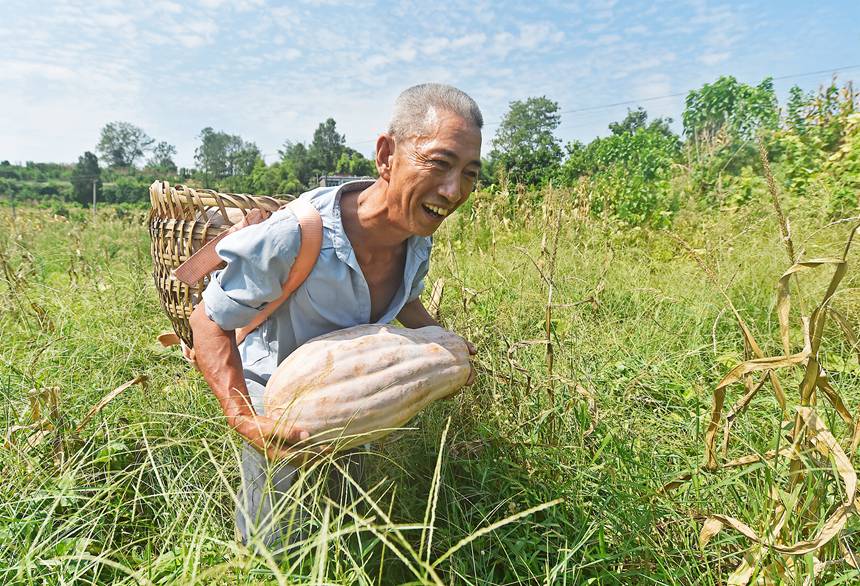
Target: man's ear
point(384, 155)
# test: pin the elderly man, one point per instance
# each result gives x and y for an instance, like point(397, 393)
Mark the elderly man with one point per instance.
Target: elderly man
point(375, 255)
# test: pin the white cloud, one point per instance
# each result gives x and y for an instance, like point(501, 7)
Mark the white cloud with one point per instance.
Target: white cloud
point(20, 71)
point(247, 5)
point(168, 7)
point(435, 45)
point(469, 40)
point(406, 53)
point(650, 86)
point(211, 4)
point(714, 58)
point(287, 54)
point(606, 40)
point(197, 33)
point(532, 37)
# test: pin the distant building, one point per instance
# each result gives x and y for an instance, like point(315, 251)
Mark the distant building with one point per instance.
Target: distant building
point(332, 180)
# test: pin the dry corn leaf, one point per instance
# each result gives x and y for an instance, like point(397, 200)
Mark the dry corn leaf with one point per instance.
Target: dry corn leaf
point(738, 408)
point(823, 383)
point(710, 528)
point(743, 573)
point(711, 433)
point(141, 378)
point(783, 302)
point(809, 430)
point(758, 364)
point(827, 445)
point(736, 463)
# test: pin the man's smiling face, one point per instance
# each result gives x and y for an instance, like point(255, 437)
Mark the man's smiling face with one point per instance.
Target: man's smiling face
point(433, 173)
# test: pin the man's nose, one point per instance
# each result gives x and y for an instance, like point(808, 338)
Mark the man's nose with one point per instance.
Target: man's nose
point(450, 189)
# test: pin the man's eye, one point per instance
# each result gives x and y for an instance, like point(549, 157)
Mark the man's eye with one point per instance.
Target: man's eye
point(439, 163)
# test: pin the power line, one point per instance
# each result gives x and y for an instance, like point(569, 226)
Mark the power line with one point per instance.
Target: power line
point(657, 98)
point(819, 72)
point(678, 94)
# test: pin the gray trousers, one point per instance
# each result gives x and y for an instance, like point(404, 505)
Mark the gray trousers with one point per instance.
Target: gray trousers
point(263, 509)
point(267, 512)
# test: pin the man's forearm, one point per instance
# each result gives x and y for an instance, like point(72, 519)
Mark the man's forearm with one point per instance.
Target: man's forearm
point(415, 315)
point(218, 359)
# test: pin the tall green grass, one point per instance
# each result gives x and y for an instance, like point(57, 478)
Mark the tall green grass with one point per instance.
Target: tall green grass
point(144, 493)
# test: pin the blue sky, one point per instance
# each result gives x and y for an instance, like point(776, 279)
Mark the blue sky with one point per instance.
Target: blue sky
point(271, 71)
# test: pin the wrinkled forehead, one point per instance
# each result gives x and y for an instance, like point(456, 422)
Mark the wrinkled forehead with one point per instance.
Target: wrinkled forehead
point(438, 120)
point(450, 134)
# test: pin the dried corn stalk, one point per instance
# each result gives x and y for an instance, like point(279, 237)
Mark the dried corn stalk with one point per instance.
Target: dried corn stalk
point(811, 443)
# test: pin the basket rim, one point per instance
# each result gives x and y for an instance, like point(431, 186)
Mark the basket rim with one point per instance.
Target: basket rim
point(171, 200)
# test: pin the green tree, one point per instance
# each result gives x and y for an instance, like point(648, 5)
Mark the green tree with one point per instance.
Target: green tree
point(221, 155)
point(211, 155)
point(298, 163)
point(795, 110)
point(86, 172)
point(629, 169)
point(634, 120)
point(739, 109)
point(274, 179)
point(637, 119)
point(721, 121)
point(352, 162)
point(524, 145)
point(126, 189)
point(162, 158)
point(814, 136)
point(327, 146)
point(121, 144)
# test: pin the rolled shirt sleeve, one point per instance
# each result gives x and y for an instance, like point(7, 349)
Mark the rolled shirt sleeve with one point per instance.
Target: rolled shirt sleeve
point(259, 259)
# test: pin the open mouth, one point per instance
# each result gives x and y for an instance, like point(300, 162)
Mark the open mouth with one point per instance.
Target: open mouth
point(435, 212)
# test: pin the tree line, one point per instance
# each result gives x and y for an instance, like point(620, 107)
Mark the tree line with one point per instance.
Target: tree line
point(126, 160)
point(638, 172)
point(642, 170)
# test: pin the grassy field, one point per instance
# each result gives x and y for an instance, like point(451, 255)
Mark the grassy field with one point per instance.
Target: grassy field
point(142, 491)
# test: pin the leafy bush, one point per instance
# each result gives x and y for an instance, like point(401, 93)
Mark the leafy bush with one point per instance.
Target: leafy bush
point(630, 169)
point(738, 108)
point(721, 122)
point(814, 129)
point(843, 167)
point(126, 189)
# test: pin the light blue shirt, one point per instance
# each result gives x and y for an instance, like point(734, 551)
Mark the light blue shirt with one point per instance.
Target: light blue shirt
point(334, 296)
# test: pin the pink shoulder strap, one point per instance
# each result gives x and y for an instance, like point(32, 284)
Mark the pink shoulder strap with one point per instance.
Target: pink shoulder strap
point(206, 260)
point(309, 251)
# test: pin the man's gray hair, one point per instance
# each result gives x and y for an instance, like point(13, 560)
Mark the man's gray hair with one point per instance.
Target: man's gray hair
point(413, 105)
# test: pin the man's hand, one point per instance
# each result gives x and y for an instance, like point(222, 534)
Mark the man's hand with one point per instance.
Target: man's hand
point(272, 439)
point(218, 359)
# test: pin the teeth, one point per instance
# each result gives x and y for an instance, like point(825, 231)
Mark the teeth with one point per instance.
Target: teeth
point(441, 211)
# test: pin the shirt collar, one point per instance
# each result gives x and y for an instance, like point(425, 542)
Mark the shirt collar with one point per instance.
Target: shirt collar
point(420, 245)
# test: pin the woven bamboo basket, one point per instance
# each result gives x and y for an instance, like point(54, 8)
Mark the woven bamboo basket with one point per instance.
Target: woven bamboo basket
point(181, 221)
